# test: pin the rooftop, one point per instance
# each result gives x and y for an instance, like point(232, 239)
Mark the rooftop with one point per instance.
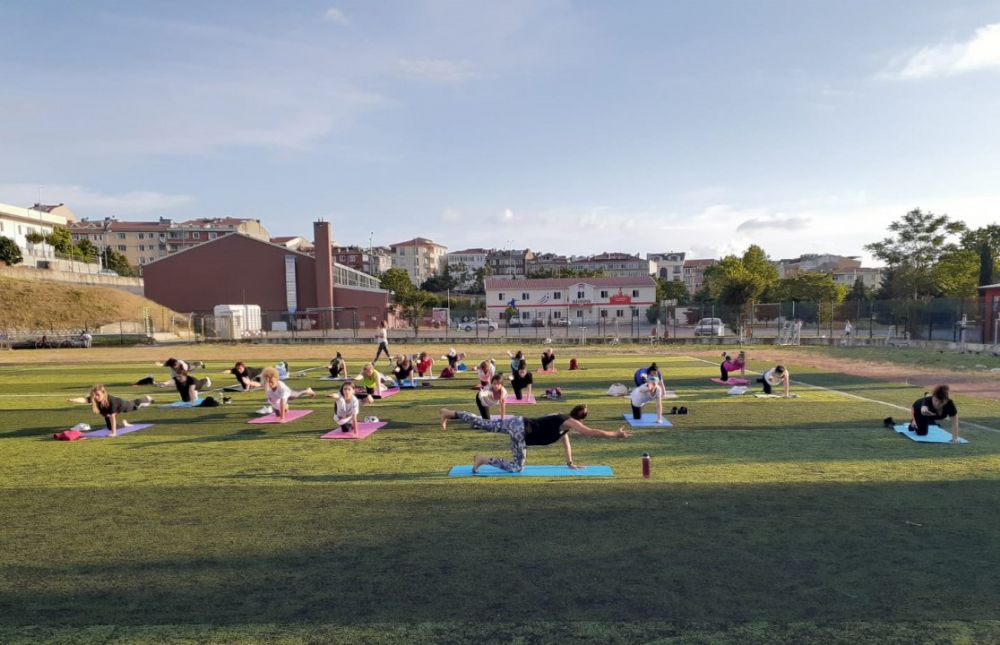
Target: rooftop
point(562, 283)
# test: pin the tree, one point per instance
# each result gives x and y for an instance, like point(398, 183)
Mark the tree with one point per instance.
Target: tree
point(987, 266)
point(956, 274)
point(812, 286)
point(859, 291)
point(35, 237)
point(397, 281)
point(671, 290)
point(61, 240)
point(86, 250)
point(986, 242)
point(413, 303)
point(117, 262)
point(10, 252)
point(918, 239)
point(742, 280)
point(653, 314)
point(482, 273)
point(443, 281)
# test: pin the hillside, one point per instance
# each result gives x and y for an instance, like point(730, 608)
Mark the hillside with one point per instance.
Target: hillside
point(34, 305)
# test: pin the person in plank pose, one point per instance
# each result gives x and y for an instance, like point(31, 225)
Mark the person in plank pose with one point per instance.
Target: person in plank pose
point(495, 394)
point(372, 381)
point(454, 358)
point(730, 364)
point(516, 360)
point(425, 365)
point(485, 372)
point(403, 371)
point(382, 336)
point(649, 391)
point(548, 359)
point(775, 376)
point(109, 407)
point(346, 409)
point(538, 431)
point(279, 394)
point(522, 381)
point(246, 377)
point(936, 407)
point(337, 366)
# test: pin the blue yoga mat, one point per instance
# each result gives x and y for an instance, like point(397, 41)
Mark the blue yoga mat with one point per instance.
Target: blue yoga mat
point(935, 434)
point(648, 421)
point(533, 471)
point(183, 404)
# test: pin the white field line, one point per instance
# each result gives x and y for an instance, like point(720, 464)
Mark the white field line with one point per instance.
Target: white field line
point(853, 396)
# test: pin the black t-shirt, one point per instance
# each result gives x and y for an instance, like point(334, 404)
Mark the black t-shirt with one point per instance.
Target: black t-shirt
point(403, 373)
point(949, 410)
point(185, 387)
point(541, 431)
point(114, 405)
point(520, 382)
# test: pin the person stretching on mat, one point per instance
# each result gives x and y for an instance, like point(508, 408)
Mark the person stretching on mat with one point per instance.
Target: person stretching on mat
point(650, 391)
point(936, 407)
point(495, 394)
point(538, 431)
point(548, 359)
point(516, 360)
point(485, 372)
point(382, 336)
point(522, 380)
point(109, 407)
point(403, 370)
point(776, 376)
point(338, 366)
point(247, 378)
point(372, 380)
point(644, 373)
point(279, 394)
point(345, 411)
point(188, 386)
point(454, 358)
point(425, 365)
point(730, 364)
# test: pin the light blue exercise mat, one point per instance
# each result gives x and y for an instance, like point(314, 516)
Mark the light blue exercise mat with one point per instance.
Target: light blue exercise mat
point(184, 404)
point(935, 434)
point(533, 471)
point(648, 421)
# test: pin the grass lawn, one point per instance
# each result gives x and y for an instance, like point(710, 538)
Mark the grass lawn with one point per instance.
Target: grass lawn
point(765, 520)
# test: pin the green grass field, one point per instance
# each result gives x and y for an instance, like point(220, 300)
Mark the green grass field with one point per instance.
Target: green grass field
point(764, 521)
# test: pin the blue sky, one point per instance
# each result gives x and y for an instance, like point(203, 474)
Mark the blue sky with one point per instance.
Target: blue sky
point(574, 127)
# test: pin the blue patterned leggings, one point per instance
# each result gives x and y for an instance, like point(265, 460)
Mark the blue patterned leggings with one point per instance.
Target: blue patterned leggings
point(512, 427)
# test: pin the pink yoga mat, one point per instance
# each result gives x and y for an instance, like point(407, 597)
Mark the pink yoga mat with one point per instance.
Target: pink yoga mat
point(386, 393)
point(511, 400)
point(292, 415)
point(731, 381)
point(364, 429)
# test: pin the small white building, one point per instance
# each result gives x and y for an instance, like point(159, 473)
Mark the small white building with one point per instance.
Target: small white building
point(669, 265)
point(465, 263)
point(581, 300)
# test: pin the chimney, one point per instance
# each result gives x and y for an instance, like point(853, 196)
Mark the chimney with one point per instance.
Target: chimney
point(322, 239)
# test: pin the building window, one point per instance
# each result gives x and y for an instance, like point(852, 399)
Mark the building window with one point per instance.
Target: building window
point(635, 313)
point(619, 313)
point(500, 297)
point(142, 247)
point(579, 313)
point(142, 260)
point(142, 236)
point(122, 247)
point(604, 294)
point(635, 293)
point(604, 313)
point(121, 236)
point(580, 295)
point(557, 295)
point(196, 236)
point(212, 236)
point(525, 315)
point(524, 296)
point(557, 314)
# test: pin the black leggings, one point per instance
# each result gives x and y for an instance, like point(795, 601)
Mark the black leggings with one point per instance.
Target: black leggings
point(767, 386)
point(922, 422)
point(723, 372)
point(382, 347)
point(517, 392)
point(636, 413)
point(547, 362)
point(484, 411)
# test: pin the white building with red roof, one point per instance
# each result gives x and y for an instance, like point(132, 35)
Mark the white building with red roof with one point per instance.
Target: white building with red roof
point(580, 300)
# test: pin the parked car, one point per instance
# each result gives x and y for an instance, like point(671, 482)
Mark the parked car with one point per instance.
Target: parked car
point(481, 323)
point(515, 322)
point(538, 322)
point(107, 272)
point(710, 327)
point(560, 322)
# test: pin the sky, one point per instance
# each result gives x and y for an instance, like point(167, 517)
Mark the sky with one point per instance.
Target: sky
point(561, 126)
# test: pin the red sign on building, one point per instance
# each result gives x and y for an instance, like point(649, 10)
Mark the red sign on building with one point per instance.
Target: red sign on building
point(620, 299)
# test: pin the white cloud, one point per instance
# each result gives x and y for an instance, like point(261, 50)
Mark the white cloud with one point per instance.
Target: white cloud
point(336, 16)
point(980, 52)
point(87, 202)
point(436, 70)
point(775, 222)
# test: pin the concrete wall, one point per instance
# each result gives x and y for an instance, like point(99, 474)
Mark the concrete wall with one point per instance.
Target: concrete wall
point(132, 285)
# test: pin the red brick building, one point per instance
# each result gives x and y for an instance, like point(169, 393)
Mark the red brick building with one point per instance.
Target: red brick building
point(991, 312)
point(288, 285)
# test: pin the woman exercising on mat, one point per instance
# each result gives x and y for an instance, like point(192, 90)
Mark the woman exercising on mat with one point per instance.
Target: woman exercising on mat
point(279, 394)
point(522, 381)
point(538, 431)
point(495, 394)
point(247, 377)
point(775, 376)
point(485, 372)
point(936, 407)
point(403, 371)
point(337, 366)
point(425, 365)
point(373, 382)
point(516, 360)
point(346, 410)
point(730, 364)
point(645, 373)
point(548, 359)
point(109, 407)
point(650, 391)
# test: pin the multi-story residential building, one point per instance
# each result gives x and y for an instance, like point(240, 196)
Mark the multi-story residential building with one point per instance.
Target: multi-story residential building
point(420, 258)
point(615, 265)
point(512, 263)
point(871, 277)
point(580, 300)
point(466, 263)
point(547, 262)
point(143, 242)
point(694, 274)
point(817, 263)
point(294, 242)
point(669, 265)
point(17, 223)
point(373, 261)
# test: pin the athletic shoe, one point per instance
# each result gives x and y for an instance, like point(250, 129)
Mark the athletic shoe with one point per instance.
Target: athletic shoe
point(226, 400)
point(673, 410)
point(682, 410)
point(266, 410)
point(888, 422)
point(208, 382)
point(371, 419)
point(146, 401)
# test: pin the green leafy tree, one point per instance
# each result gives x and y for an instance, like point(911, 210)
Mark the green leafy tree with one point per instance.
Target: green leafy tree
point(61, 240)
point(987, 266)
point(672, 290)
point(441, 282)
point(653, 314)
point(986, 242)
point(413, 304)
point(956, 274)
point(859, 291)
point(917, 240)
point(10, 252)
point(87, 251)
point(482, 273)
point(35, 237)
point(742, 280)
point(117, 262)
point(812, 286)
point(397, 281)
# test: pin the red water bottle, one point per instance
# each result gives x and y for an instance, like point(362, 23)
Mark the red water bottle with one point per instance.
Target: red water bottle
point(645, 465)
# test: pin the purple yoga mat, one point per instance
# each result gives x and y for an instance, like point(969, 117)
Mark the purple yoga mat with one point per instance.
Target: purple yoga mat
point(364, 429)
point(511, 400)
point(104, 433)
point(291, 415)
point(731, 381)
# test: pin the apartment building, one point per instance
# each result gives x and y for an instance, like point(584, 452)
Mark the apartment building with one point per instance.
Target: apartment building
point(468, 260)
point(615, 265)
point(372, 261)
point(582, 301)
point(17, 222)
point(669, 265)
point(694, 273)
point(512, 263)
point(420, 258)
point(144, 242)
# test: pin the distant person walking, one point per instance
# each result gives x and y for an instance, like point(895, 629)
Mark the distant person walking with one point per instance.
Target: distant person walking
point(382, 336)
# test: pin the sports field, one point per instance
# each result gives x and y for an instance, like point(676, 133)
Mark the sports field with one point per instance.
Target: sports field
point(799, 520)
